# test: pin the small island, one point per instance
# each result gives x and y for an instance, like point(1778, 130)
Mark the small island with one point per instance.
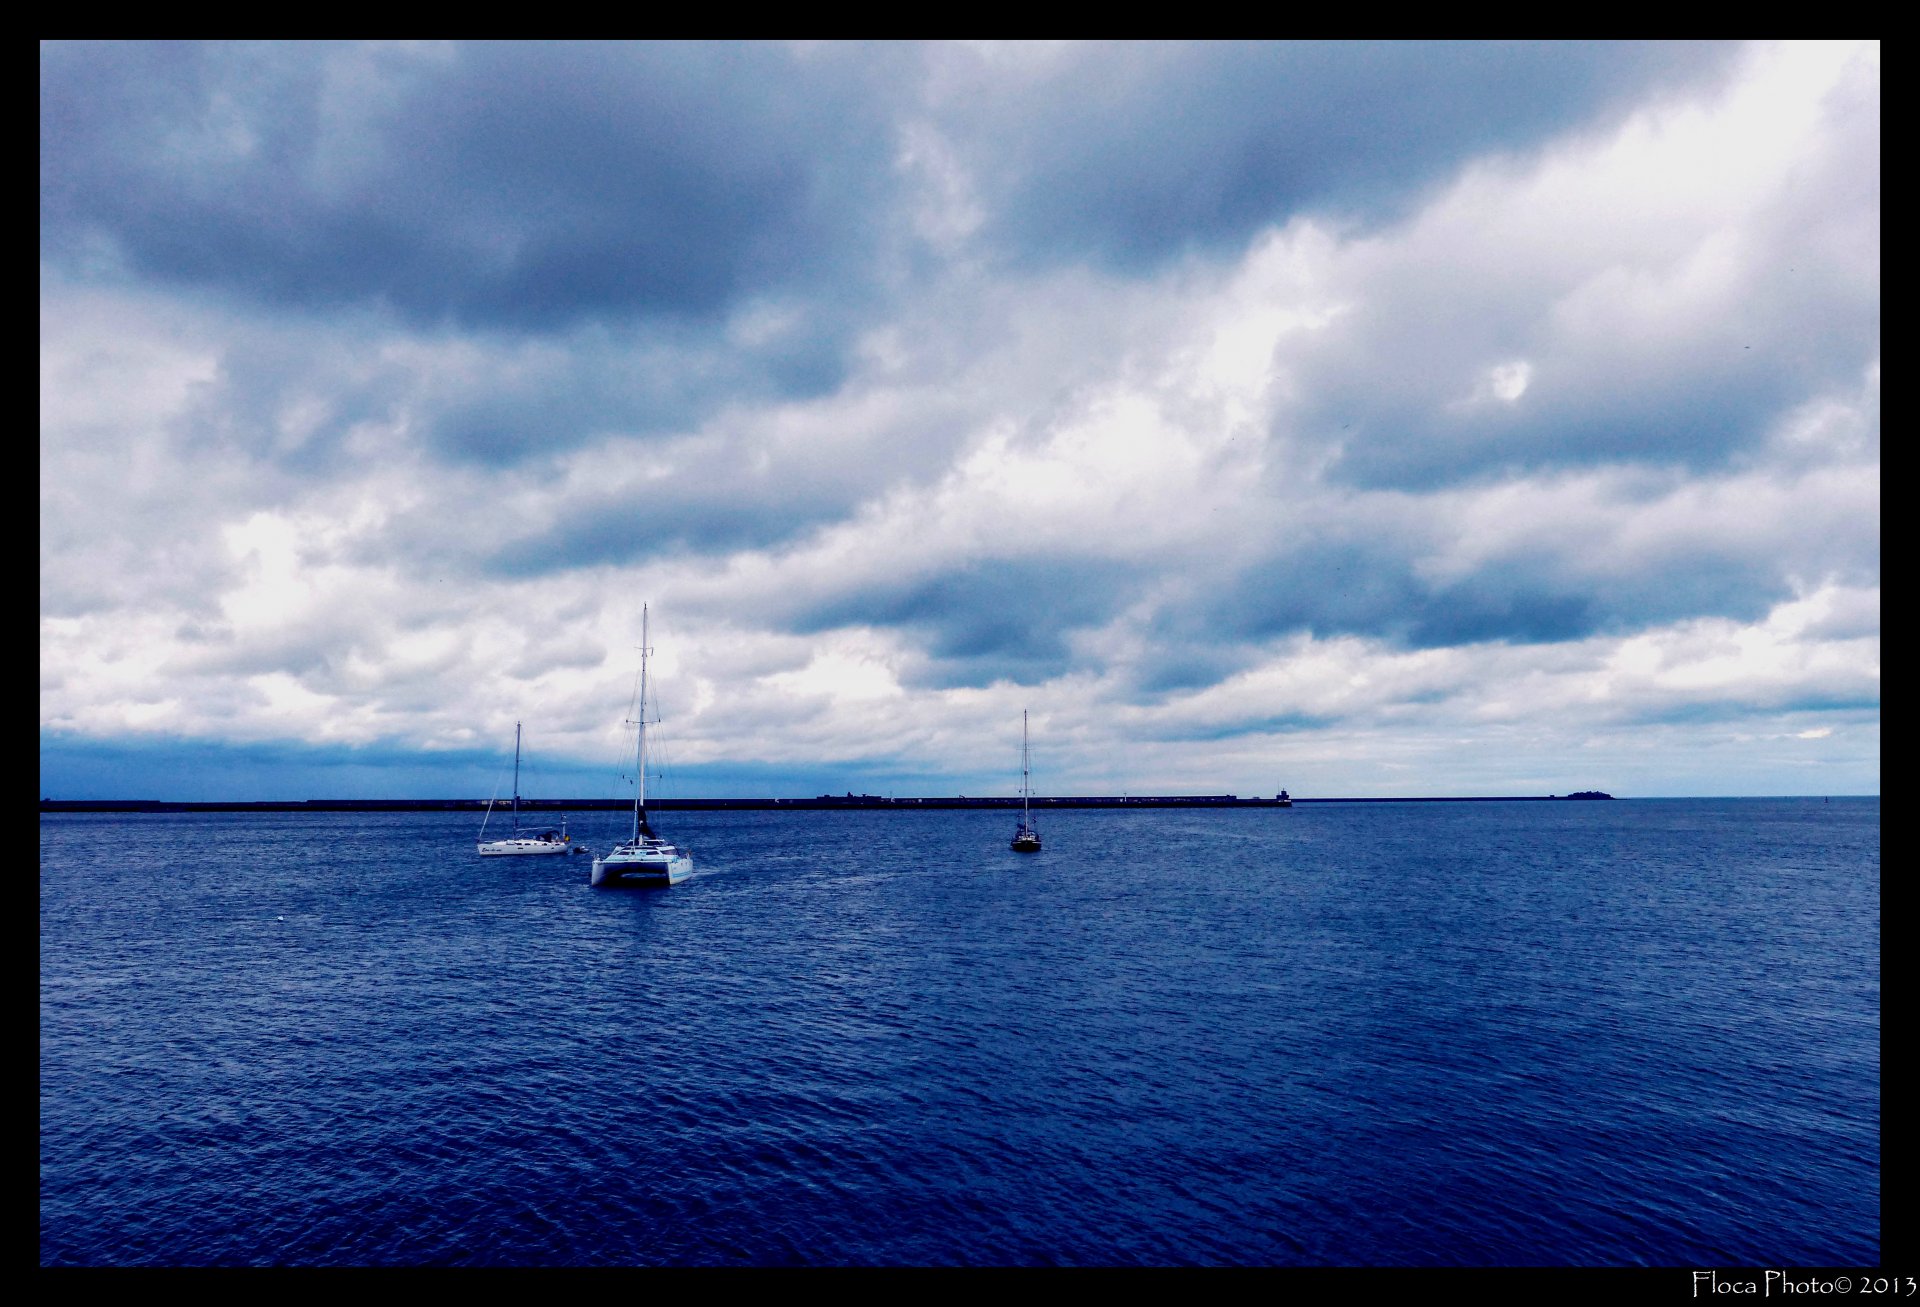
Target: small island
point(1590, 794)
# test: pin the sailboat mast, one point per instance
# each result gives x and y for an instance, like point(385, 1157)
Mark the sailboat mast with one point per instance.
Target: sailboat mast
point(516, 778)
point(1025, 814)
point(640, 759)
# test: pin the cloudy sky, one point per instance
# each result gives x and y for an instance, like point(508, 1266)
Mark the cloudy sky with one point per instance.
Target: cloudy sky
point(1358, 419)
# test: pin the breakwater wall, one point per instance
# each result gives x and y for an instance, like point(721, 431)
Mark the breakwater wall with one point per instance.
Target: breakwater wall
point(819, 802)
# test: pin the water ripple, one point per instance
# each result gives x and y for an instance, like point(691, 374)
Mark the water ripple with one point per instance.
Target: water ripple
point(1492, 1034)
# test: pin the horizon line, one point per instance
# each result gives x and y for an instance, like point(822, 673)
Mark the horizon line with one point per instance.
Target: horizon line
point(822, 801)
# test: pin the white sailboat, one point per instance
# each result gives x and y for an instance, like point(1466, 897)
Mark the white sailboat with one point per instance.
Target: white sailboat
point(646, 859)
point(1027, 838)
point(521, 844)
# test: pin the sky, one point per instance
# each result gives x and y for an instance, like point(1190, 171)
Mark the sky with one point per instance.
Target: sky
point(1355, 419)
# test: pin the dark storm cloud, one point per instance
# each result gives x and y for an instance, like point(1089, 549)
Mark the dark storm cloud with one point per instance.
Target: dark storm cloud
point(287, 393)
point(1190, 660)
point(532, 185)
point(514, 405)
point(523, 184)
point(651, 191)
point(630, 529)
point(699, 501)
point(985, 620)
point(1133, 153)
point(1375, 588)
point(1251, 724)
point(746, 484)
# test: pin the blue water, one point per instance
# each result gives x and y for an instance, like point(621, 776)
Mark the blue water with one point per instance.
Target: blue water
point(1508, 1034)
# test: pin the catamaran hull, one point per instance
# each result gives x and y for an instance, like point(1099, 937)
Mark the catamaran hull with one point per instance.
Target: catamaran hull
point(609, 874)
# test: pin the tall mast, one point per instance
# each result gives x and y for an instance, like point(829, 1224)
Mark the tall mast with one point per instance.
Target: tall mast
point(640, 761)
point(1025, 815)
point(516, 778)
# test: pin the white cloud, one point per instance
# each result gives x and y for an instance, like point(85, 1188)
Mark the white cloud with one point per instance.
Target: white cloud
point(1491, 487)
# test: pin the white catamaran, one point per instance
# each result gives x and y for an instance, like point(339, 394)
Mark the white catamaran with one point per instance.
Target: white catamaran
point(1027, 838)
point(646, 859)
point(521, 844)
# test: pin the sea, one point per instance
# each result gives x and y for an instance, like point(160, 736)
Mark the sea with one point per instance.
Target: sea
point(1637, 1033)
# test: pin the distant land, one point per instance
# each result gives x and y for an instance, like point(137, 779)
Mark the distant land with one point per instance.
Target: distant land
point(824, 801)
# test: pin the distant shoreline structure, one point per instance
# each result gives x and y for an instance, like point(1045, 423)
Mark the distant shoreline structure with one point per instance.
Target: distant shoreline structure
point(822, 802)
